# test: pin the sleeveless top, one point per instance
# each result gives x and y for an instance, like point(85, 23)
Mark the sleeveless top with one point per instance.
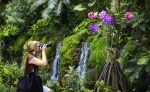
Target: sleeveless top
point(30, 66)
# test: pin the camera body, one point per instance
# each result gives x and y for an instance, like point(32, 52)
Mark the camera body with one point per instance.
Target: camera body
point(49, 44)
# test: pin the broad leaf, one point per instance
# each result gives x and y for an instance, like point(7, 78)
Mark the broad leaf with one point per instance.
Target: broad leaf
point(79, 8)
point(142, 27)
point(143, 60)
point(135, 24)
point(91, 4)
point(133, 72)
point(5, 33)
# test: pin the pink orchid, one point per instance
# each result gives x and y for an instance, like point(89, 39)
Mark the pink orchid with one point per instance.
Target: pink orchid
point(92, 15)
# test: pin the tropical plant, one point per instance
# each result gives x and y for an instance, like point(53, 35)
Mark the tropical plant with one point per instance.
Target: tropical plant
point(111, 72)
point(104, 88)
point(70, 82)
point(9, 74)
point(17, 19)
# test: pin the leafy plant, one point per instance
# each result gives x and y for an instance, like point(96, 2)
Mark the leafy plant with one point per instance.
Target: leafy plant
point(44, 27)
point(4, 88)
point(98, 54)
point(103, 88)
point(11, 73)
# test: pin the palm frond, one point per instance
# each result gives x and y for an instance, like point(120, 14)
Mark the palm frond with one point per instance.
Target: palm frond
point(58, 9)
point(51, 6)
point(36, 4)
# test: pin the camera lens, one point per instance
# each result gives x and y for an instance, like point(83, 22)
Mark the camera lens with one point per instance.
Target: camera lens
point(48, 44)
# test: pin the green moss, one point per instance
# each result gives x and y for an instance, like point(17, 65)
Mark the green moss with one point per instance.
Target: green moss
point(69, 44)
point(97, 57)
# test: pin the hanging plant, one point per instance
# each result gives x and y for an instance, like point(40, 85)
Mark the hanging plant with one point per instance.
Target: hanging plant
point(111, 73)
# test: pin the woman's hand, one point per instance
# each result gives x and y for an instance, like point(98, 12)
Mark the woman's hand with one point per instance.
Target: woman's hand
point(43, 48)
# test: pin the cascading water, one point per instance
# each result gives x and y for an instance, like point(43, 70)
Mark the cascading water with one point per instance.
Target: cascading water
point(120, 55)
point(55, 65)
point(83, 58)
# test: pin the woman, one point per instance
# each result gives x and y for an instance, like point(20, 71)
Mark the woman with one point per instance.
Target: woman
point(33, 47)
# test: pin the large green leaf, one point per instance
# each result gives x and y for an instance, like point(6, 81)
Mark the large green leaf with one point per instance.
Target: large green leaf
point(91, 4)
point(79, 8)
point(5, 33)
point(133, 70)
point(142, 27)
point(143, 60)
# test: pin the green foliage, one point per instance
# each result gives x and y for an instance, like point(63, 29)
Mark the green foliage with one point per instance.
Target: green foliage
point(138, 21)
point(79, 7)
point(70, 82)
point(69, 44)
point(103, 88)
point(128, 49)
point(82, 26)
point(34, 37)
point(133, 70)
point(55, 86)
point(143, 58)
point(9, 74)
point(135, 61)
point(8, 29)
point(44, 26)
point(44, 74)
point(15, 17)
point(18, 45)
point(4, 88)
point(89, 5)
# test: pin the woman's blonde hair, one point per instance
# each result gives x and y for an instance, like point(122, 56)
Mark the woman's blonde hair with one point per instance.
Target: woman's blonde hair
point(30, 46)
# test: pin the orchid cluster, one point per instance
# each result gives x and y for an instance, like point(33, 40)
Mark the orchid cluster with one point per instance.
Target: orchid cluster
point(103, 16)
point(106, 19)
point(94, 28)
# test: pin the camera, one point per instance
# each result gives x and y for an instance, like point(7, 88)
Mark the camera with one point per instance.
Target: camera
point(49, 44)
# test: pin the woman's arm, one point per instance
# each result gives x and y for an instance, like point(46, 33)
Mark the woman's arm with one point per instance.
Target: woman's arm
point(40, 62)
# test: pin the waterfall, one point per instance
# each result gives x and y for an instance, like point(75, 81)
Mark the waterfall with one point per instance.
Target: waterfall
point(120, 56)
point(83, 58)
point(55, 65)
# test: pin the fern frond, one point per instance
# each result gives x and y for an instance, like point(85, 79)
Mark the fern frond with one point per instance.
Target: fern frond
point(36, 4)
point(58, 10)
point(51, 5)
